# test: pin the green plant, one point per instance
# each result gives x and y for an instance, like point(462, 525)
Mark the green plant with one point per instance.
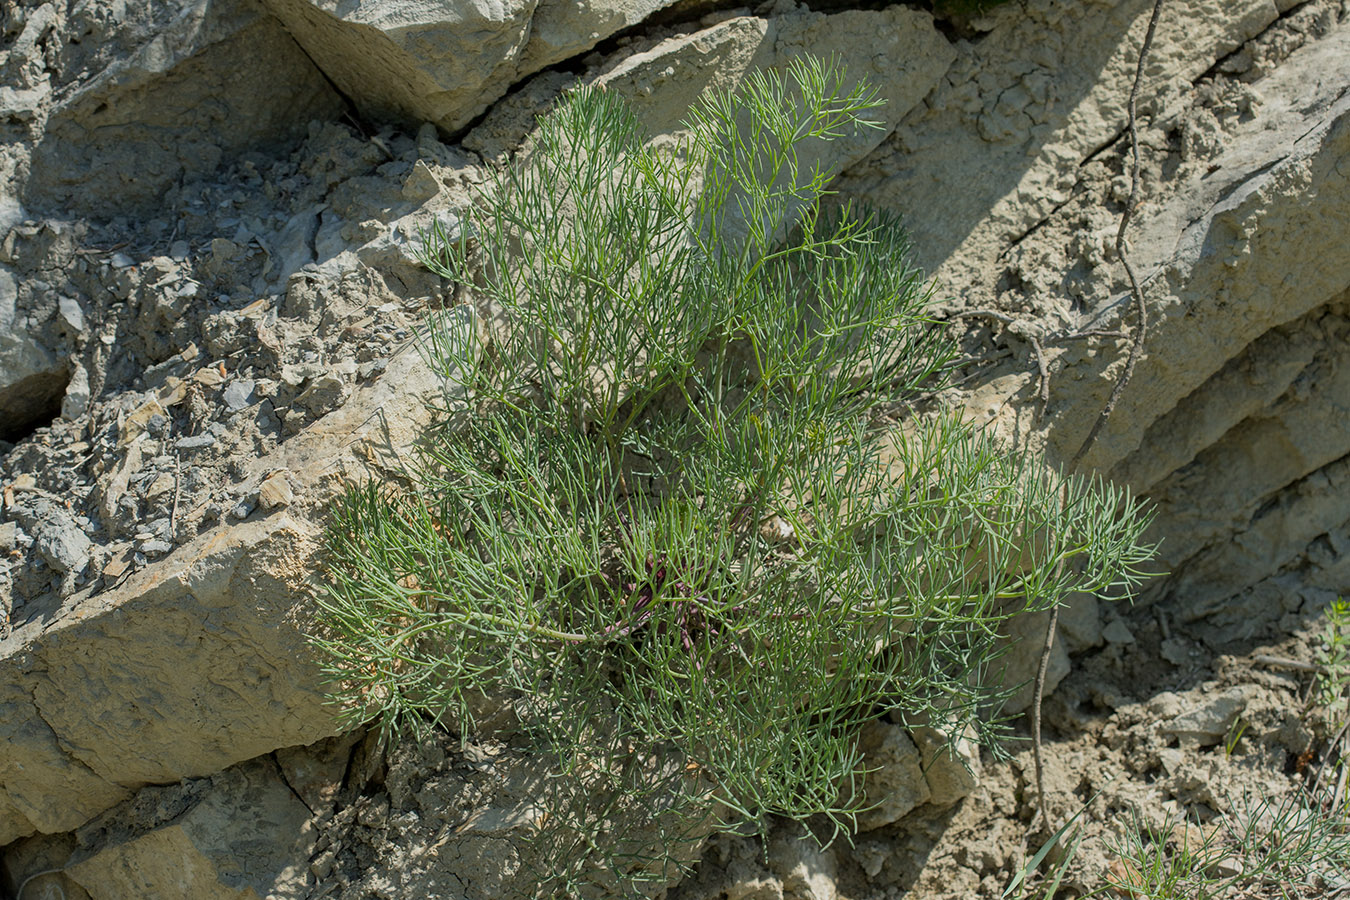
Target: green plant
point(1068, 838)
point(682, 516)
point(1265, 847)
point(1233, 739)
point(1334, 660)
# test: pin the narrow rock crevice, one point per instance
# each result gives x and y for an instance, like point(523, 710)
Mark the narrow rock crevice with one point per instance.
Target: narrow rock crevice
point(1220, 65)
point(281, 773)
point(1281, 534)
point(31, 403)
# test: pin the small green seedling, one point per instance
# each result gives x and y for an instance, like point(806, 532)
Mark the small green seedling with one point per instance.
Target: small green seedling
point(1334, 660)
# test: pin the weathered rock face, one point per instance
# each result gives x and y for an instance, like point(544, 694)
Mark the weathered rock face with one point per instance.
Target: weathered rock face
point(166, 92)
point(1244, 349)
point(33, 377)
point(411, 61)
point(168, 841)
point(995, 148)
point(197, 677)
point(208, 286)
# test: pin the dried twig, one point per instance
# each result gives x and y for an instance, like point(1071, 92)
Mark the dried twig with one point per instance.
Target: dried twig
point(1280, 662)
point(1091, 333)
point(1140, 333)
point(1037, 753)
point(1045, 375)
point(1141, 329)
point(177, 492)
point(984, 314)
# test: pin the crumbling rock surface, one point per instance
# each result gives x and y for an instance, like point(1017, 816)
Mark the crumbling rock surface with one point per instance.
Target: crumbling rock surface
point(217, 445)
point(208, 295)
point(413, 62)
point(189, 84)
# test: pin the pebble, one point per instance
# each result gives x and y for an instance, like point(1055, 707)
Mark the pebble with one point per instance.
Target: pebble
point(116, 567)
point(324, 395)
point(1176, 651)
point(72, 312)
point(63, 545)
point(368, 370)
point(179, 250)
point(209, 377)
point(296, 375)
point(1208, 720)
point(223, 249)
point(196, 442)
point(238, 394)
point(156, 548)
point(9, 536)
point(76, 401)
point(159, 487)
point(122, 261)
point(1118, 633)
point(276, 491)
point(135, 424)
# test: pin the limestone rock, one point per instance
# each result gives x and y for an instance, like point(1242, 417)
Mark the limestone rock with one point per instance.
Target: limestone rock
point(993, 150)
point(1260, 241)
point(241, 833)
point(1282, 188)
point(204, 81)
point(560, 30)
point(1239, 251)
point(804, 870)
point(151, 661)
point(1080, 623)
point(134, 706)
point(952, 769)
point(276, 491)
point(41, 787)
point(62, 543)
point(897, 49)
point(76, 401)
point(153, 655)
point(1208, 722)
point(1026, 640)
point(895, 783)
point(32, 376)
point(443, 63)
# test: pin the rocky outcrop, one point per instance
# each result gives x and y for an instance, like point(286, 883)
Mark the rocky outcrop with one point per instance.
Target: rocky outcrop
point(32, 378)
point(197, 682)
point(444, 63)
point(191, 83)
point(1232, 422)
point(178, 626)
point(209, 286)
point(168, 842)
